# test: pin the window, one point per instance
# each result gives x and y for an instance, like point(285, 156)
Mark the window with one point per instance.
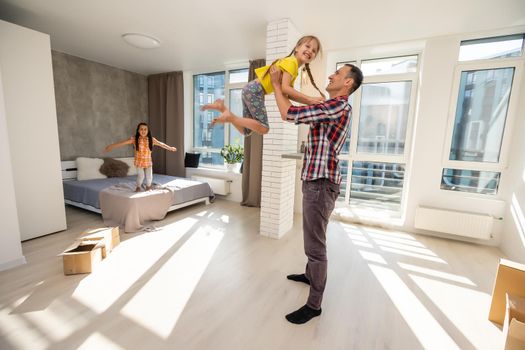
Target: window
point(236, 108)
point(377, 154)
point(208, 139)
point(377, 185)
point(483, 182)
point(490, 48)
point(478, 128)
point(393, 65)
point(481, 113)
point(383, 118)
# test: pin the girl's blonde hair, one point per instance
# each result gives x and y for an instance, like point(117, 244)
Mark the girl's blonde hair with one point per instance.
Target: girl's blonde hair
point(301, 41)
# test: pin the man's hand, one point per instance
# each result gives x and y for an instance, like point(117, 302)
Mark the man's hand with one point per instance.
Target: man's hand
point(276, 76)
point(315, 100)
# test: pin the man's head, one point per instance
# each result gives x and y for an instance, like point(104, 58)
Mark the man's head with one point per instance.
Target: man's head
point(344, 81)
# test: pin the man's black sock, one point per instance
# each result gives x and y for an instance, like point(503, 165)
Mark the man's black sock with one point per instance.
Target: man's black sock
point(299, 278)
point(303, 315)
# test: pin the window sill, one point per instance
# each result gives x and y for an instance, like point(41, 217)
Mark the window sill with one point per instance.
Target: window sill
point(222, 172)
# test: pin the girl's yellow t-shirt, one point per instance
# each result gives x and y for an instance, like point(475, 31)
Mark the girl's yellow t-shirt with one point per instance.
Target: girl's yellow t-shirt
point(288, 64)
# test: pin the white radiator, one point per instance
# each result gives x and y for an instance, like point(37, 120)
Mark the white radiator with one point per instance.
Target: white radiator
point(454, 222)
point(219, 186)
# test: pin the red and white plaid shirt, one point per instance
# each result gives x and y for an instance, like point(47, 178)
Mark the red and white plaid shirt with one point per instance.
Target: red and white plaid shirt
point(329, 124)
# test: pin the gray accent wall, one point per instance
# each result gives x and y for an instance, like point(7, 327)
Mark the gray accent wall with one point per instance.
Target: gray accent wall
point(96, 105)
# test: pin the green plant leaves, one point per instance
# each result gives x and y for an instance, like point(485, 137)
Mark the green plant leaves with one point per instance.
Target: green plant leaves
point(232, 154)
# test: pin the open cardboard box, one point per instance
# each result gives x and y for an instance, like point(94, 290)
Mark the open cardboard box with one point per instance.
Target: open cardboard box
point(510, 279)
point(82, 257)
point(514, 325)
point(109, 236)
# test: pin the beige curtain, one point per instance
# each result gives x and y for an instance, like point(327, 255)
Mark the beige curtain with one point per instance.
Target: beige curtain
point(252, 166)
point(166, 121)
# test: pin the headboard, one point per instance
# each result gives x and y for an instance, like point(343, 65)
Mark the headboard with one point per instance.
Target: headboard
point(69, 167)
point(69, 170)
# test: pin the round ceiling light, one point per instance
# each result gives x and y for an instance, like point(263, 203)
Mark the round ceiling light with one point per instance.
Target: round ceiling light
point(141, 41)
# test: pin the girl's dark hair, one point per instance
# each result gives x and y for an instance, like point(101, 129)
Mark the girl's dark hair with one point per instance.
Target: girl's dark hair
point(137, 135)
point(304, 39)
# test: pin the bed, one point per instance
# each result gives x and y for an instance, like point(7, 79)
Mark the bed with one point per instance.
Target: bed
point(120, 205)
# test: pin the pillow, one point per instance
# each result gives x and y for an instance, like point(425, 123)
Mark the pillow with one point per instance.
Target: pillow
point(114, 168)
point(191, 160)
point(88, 168)
point(130, 161)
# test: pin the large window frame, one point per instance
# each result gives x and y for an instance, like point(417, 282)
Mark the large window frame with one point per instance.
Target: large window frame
point(227, 89)
point(475, 65)
point(355, 156)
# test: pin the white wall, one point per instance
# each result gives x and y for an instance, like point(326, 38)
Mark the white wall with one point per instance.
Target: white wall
point(10, 247)
point(25, 60)
point(513, 235)
point(439, 60)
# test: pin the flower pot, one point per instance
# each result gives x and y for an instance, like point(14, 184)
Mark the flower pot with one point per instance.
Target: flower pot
point(231, 167)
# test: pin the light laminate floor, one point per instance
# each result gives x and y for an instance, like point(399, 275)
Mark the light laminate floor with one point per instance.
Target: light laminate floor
point(206, 280)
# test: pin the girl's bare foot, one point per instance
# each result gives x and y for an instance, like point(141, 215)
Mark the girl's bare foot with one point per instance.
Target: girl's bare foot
point(219, 120)
point(149, 188)
point(137, 189)
point(225, 117)
point(217, 105)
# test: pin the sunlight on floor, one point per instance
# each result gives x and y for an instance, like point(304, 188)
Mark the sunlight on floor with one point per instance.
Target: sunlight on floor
point(390, 241)
point(158, 305)
point(425, 327)
point(51, 323)
point(11, 323)
point(98, 341)
point(202, 213)
point(466, 301)
point(436, 273)
point(373, 257)
point(396, 238)
point(454, 299)
point(413, 255)
point(130, 261)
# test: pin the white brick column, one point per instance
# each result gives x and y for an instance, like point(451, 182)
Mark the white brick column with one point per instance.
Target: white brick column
point(278, 174)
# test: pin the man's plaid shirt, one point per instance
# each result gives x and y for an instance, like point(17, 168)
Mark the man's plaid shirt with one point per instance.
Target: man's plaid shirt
point(329, 124)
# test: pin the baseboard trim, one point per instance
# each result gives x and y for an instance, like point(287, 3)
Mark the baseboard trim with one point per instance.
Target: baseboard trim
point(13, 263)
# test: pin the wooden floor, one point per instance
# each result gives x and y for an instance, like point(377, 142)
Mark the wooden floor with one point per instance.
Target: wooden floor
point(205, 279)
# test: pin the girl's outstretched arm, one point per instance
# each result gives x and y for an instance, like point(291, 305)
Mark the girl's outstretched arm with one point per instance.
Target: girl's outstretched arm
point(163, 145)
point(129, 141)
point(296, 95)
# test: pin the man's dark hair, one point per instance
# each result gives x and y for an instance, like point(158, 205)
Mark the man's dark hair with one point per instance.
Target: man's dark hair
point(356, 75)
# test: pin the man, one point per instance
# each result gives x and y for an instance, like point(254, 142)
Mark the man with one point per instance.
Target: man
point(329, 123)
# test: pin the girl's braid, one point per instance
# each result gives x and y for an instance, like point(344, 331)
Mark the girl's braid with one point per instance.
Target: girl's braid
point(310, 76)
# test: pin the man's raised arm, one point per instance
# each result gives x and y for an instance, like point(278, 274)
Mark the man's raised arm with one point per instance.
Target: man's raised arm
point(282, 101)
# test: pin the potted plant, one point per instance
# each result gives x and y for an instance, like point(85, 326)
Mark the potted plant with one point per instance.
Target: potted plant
point(232, 155)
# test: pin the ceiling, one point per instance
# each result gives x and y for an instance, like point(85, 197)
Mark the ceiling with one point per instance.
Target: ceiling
point(201, 35)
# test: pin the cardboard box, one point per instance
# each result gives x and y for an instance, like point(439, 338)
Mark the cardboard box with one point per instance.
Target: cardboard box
point(510, 279)
point(515, 336)
point(82, 257)
point(110, 237)
point(514, 325)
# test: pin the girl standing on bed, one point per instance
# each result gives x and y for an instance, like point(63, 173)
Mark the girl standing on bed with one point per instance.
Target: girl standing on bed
point(143, 144)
